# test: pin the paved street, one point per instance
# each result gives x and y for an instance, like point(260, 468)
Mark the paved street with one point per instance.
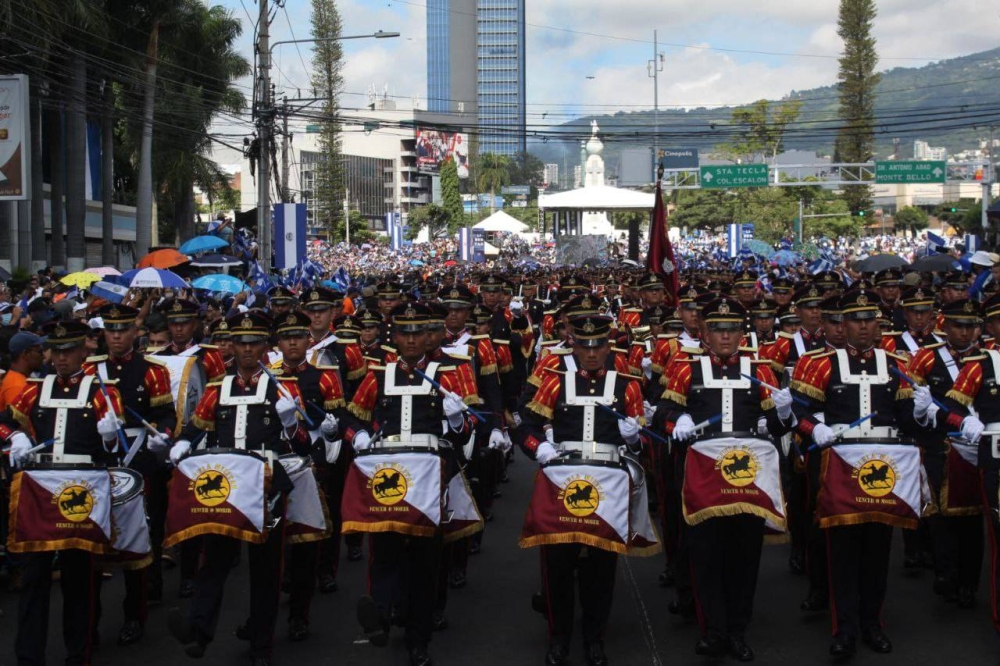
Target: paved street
point(492, 623)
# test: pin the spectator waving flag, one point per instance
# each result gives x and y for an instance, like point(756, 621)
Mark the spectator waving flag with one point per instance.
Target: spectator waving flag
point(935, 243)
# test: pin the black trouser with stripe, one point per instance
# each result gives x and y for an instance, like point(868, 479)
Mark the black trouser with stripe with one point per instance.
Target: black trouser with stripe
point(594, 573)
point(77, 583)
point(402, 572)
point(858, 560)
point(303, 561)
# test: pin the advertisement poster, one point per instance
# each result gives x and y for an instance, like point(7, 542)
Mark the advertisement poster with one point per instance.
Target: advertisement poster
point(434, 147)
point(15, 144)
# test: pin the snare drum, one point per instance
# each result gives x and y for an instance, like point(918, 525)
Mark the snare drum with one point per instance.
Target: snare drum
point(130, 537)
point(411, 442)
point(592, 451)
point(305, 509)
point(187, 383)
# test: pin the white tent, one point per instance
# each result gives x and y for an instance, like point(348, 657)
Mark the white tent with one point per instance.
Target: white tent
point(501, 221)
point(490, 250)
point(597, 198)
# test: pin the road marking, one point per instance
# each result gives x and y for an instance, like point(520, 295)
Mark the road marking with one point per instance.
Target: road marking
point(647, 624)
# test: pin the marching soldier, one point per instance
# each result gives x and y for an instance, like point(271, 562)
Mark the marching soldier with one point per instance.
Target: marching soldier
point(280, 301)
point(86, 432)
point(145, 389)
point(321, 306)
point(269, 427)
point(788, 348)
point(917, 307)
point(888, 284)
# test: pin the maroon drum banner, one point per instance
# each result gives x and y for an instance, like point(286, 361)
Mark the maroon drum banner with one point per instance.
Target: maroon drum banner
point(463, 517)
point(306, 512)
point(217, 493)
point(393, 492)
point(961, 493)
point(872, 483)
point(579, 503)
point(728, 476)
point(54, 509)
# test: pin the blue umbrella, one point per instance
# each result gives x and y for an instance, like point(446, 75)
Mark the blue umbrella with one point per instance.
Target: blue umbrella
point(215, 261)
point(786, 258)
point(200, 244)
point(220, 282)
point(153, 278)
point(760, 247)
point(416, 262)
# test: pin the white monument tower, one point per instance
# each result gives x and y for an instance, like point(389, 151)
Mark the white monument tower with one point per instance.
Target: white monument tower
point(595, 223)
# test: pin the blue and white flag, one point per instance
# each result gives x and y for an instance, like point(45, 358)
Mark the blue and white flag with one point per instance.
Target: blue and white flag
point(735, 238)
point(934, 242)
point(973, 243)
point(289, 234)
point(465, 244)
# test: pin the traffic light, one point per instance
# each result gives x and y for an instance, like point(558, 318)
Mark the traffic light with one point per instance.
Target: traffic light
point(861, 213)
point(954, 210)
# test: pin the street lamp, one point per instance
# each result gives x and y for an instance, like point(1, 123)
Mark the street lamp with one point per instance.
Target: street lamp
point(381, 34)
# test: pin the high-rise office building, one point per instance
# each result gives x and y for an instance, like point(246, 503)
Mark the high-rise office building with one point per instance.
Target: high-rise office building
point(476, 63)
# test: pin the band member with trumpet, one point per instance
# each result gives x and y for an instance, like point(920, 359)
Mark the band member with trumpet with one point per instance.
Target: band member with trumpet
point(70, 408)
point(321, 393)
point(144, 386)
point(236, 414)
point(562, 415)
point(397, 406)
point(725, 549)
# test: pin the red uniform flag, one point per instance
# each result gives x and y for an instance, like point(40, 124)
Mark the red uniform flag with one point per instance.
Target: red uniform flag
point(660, 258)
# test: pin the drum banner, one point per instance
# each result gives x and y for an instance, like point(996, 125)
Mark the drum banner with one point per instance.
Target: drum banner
point(728, 476)
point(463, 517)
point(306, 511)
point(393, 492)
point(961, 488)
point(643, 540)
point(872, 483)
point(586, 504)
point(220, 493)
point(53, 509)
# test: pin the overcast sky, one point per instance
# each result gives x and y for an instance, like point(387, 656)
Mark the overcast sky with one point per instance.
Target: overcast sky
point(716, 52)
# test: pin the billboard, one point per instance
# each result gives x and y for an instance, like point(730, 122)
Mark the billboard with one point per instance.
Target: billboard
point(434, 147)
point(633, 167)
point(677, 158)
point(15, 143)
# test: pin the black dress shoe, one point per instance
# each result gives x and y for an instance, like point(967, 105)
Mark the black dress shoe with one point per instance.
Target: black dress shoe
point(186, 590)
point(260, 660)
point(557, 655)
point(739, 650)
point(877, 641)
point(912, 561)
point(538, 603)
point(596, 656)
point(667, 577)
point(354, 553)
point(438, 621)
point(475, 545)
point(457, 579)
point(842, 647)
point(816, 602)
point(370, 619)
point(327, 584)
point(711, 646)
point(131, 632)
point(298, 629)
point(185, 634)
point(242, 632)
point(682, 607)
point(797, 563)
point(419, 656)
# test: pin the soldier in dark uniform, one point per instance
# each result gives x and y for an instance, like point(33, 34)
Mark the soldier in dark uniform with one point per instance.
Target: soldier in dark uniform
point(788, 348)
point(373, 348)
point(321, 392)
point(144, 386)
point(858, 554)
point(223, 341)
point(398, 560)
point(89, 434)
point(888, 284)
point(271, 427)
point(280, 301)
point(319, 304)
point(781, 290)
point(388, 297)
point(549, 419)
point(724, 551)
point(763, 312)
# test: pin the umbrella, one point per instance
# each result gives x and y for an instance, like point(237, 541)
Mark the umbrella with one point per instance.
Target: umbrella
point(785, 258)
point(760, 247)
point(220, 282)
point(416, 262)
point(167, 258)
point(80, 279)
point(880, 262)
point(103, 271)
point(203, 244)
point(934, 263)
point(450, 263)
point(215, 261)
point(155, 278)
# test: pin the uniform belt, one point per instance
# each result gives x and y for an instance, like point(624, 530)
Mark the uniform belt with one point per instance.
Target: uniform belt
point(868, 433)
point(994, 439)
point(71, 458)
point(593, 450)
point(401, 441)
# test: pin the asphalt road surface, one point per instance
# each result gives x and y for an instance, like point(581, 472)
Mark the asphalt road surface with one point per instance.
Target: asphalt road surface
point(491, 622)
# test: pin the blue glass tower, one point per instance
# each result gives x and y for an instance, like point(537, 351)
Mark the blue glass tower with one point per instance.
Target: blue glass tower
point(500, 58)
point(451, 62)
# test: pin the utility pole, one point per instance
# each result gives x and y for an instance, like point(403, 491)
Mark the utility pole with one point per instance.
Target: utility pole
point(264, 118)
point(285, 192)
point(347, 216)
point(653, 69)
point(988, 178)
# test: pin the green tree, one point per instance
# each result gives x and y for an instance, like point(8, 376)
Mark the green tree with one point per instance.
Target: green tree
point(432, 216)
point(327, 81)
point(912, 219)
point(759, 131)
point(525, 169)
point(857, 82)
point(493, 175)
point(451, 197)
point(702, 209)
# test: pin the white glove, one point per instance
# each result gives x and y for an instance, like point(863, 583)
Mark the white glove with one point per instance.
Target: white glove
point(924, 409)
point(649, 411)
point(550, 436)
point(286, 412)
point(972, 428)
point(329, 427)
point(453, 409)
point(762, 427)
point(496, 439)
point(508, 444)
point(823, 434)
point(684, 428)
point(783, 402)
point(629, 430)
point(545, 453)
point(19, 447)
point(647, 366)
point(108, 427)
point(516, 308)
point(362, 441)
point(181, 448)
point(158, 442)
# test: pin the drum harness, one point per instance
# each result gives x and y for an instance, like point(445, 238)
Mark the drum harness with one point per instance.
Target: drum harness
point(864, 382)
point(62, 406)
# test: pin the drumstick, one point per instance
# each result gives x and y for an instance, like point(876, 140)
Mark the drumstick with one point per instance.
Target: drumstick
point(286, 393)
point(446, 392)
point(35, 449)
point(622, 417)
point(122, 439)
point(707, 422)
point(804, 403)
point(146, 424)
point(902, 375)
point(844, 429)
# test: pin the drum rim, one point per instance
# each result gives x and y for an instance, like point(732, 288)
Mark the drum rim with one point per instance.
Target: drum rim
point(137, 489)
point(905, 441)
point(62, 465)
point(398, 449)
point(736, 434)
point(221, 450)
point(585, 462)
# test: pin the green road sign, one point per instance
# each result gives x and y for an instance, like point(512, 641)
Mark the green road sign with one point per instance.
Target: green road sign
point(924, 171)
point(735, 175)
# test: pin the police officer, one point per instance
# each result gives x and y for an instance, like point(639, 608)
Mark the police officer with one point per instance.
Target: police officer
point(271, 427)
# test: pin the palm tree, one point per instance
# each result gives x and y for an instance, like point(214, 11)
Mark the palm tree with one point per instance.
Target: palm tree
point(493, 175)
